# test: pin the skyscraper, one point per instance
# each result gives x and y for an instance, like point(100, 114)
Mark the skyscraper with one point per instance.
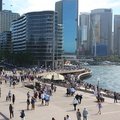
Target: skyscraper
point(116, 47)
point(101, 32)
point(59, 9)
point(84, 30)
point(68, 16)
point(0, 5)
point(6, 17)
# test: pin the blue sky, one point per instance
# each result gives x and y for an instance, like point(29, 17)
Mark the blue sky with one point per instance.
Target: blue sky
point(24, 6)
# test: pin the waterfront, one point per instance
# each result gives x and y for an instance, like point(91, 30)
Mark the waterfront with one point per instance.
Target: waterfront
point(108, 76)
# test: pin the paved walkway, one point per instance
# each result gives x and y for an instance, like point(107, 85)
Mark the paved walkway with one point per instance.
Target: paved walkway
point(60, 106)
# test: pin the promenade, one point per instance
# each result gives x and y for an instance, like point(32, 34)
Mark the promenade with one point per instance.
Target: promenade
point(59, 106)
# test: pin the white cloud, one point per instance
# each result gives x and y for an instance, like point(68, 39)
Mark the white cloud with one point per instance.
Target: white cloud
point(87, 5)
point(23, 6)
point(35, 5)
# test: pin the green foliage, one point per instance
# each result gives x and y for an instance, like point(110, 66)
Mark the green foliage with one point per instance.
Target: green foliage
point(20, 59)
point(23, 59)
point(112, 58)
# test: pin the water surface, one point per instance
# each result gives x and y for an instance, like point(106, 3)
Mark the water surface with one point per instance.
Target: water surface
point(108, 77)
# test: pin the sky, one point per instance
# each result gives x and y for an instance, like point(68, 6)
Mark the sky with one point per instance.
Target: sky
point(24, 6)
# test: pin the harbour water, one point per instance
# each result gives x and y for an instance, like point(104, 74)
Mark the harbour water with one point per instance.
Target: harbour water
point(108, 77)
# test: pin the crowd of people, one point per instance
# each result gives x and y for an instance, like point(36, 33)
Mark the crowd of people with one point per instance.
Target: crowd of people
point(44, 92)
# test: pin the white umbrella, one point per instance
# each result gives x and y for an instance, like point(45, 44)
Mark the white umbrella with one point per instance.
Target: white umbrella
point(54, 75)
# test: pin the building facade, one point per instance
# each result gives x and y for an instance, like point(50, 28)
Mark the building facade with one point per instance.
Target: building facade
point(6, 17)
point(1, 5)
point(59, 10)
point(116, 47)
point(40, 34)
point(101, 32)
point(68, 16)
point(84, 31)
point(5, 41)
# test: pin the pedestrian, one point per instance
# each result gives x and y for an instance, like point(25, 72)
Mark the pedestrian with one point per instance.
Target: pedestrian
point(47, 99)
point(115, 97)
point(13, 98)
point(64, 118)
point(43, 98)
point(9, 95)
point(32, 103)
point(11, 111)
point(28, 103)
point(85, 114)
point(35, 95)
point(0, 92)
point(75, 102)
point(14, 83)
point(77, 96)
point(67, 117)
point(22, 115)
point(28, 94)
point(53, 118)
point(39, 94)
point(99, 107)
point(78, 114)
point(80, 98)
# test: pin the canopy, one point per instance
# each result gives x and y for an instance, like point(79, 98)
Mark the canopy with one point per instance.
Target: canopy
point(53, 76)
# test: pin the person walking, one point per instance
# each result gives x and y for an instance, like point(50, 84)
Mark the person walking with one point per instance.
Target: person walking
point(99, 107)
point(13, 98)
point(115, 97)
point(0, 91)
point(85, 114)
point(9, 95)
point(47, 99)
point(75, 102)
point(14, 83)
point(11, 111)
point(22, 115)
point(53, 118)
point(28, 103)
point(43, 98)
point(32, 103)
point(78, 114)
point(28, 94)
point(67, 117)
point(64, 118)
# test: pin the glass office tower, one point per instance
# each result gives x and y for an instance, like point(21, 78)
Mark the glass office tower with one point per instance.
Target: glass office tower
point(101, 32)
point(68, 12)
point(40, 34)
point(0, 5)
point(116, 34)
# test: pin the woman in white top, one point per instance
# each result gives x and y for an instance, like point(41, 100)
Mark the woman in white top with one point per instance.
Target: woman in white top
point(75, 102)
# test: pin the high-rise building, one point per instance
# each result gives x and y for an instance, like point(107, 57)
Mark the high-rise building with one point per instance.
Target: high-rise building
point(116, 43)
point(68, 16)
point(59, 9)
point(5, 41)
point(40, 34)
point(84, 30)
point(0, 5)
point(6, 17)
point(101, 32)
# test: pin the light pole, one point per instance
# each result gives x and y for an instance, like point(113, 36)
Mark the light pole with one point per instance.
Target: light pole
point(53, 49)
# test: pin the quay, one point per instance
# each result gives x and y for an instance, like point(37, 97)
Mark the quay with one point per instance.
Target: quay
point(80, 72)
point(60, 105)
point(71, 71)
